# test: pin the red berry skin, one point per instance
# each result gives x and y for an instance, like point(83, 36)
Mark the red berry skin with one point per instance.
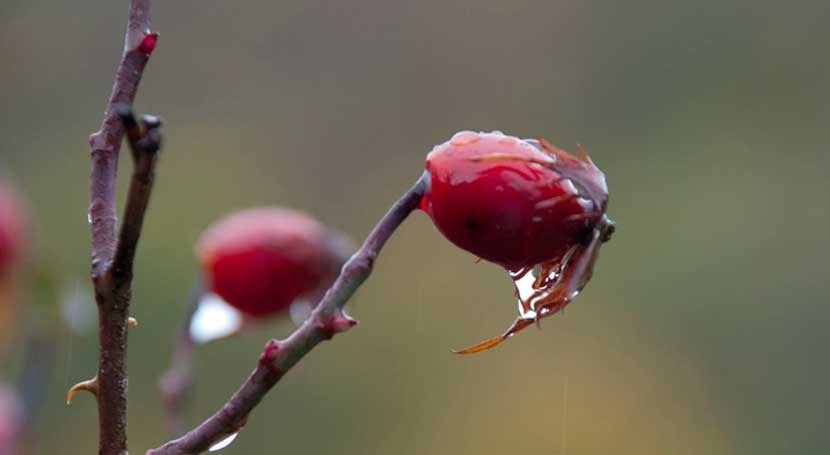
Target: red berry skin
point(12, 228)
point(507, 200)
point(260, 260)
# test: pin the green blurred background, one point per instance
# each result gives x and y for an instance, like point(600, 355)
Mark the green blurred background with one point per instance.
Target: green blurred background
point(704, 330)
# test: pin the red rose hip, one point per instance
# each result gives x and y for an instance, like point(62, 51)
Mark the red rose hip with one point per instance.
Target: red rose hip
point(525, 205)
point(260, 260)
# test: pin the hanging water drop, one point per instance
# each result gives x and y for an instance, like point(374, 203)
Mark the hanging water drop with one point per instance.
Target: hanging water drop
point(214, 319)
point(524, 294)
point(223, 443)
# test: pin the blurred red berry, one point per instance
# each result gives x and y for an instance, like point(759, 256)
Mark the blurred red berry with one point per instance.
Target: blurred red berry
point(12, 225)
point(260, 260)
point(525, 205)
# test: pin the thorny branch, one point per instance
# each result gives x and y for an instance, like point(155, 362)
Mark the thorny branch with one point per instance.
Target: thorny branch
point(112, 258)
point(113, 289)
point(278, 356)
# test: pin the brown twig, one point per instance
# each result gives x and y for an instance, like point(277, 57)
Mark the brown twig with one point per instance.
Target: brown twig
point(113, 288)
point(145, 141)
point(105, 143)
point(177, 381)
point(279, 356)
point(111, 259)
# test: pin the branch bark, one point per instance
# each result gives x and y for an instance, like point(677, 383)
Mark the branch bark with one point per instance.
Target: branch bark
point(278, 357)
point(111, 258)
point(105, 143)
point(113, 289)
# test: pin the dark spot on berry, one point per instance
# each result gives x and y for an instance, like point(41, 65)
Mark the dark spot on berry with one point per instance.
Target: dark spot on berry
point(471, 224)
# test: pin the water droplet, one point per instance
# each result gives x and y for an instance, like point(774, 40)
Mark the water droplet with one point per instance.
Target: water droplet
point(300, 310)
point(524, 293)
point(223, 443)
point(214, 319)
point(536, 286)
point(541, 289)
point(89, 217)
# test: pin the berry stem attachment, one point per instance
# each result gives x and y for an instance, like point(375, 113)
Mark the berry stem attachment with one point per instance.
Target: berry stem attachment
point(279, 356)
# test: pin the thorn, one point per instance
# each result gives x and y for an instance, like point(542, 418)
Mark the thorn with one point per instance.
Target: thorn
point(342, 322)
point(132, 322)
point(90, 386)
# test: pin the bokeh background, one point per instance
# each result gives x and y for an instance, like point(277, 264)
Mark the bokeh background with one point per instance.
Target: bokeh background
point(704, 330)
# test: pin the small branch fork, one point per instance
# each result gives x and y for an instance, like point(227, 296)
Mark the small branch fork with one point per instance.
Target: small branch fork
point(113, 288)
point(278, 356)
point(105, 143)
point(112, 257)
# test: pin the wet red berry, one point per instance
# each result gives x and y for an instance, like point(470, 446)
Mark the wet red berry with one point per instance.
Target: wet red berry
point(260, 260)
point(12, 225)
point(522, 204)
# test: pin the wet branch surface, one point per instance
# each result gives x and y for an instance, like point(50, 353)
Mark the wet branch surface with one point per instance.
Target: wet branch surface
point(279, 356)
point(113, 288)
point(112, 255)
